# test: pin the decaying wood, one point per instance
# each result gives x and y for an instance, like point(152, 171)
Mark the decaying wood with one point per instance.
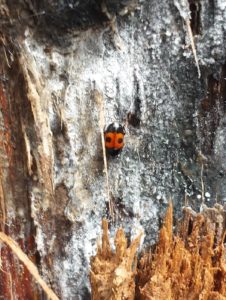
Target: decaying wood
point(113, 272)
point(29, 265)
point(188, 265)
point(52, 193)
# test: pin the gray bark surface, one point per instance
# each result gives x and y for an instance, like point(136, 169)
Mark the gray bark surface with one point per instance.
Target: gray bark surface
point(138, 54)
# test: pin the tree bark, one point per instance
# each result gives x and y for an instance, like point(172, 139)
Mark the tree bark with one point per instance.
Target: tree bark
point(138, 54)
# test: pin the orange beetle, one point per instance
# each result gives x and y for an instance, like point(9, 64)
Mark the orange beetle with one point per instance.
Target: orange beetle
point(114, 138)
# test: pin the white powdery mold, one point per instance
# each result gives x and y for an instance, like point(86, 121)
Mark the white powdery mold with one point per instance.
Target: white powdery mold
point(183, 8)
point(40, 241)
point(207, 195)
point(136, 230)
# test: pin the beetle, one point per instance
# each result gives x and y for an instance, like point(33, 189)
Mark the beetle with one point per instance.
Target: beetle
point(114, 138)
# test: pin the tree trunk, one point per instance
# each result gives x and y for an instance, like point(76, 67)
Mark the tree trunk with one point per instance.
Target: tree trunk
point(144, 57)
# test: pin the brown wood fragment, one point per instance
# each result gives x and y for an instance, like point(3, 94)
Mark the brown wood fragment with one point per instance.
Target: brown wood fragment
point(113, 272)
point(190, 265)
point(28, 263)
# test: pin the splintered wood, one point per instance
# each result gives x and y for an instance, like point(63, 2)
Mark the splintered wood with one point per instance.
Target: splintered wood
point(113, 273)
point(189, 265)
point(29, 265)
